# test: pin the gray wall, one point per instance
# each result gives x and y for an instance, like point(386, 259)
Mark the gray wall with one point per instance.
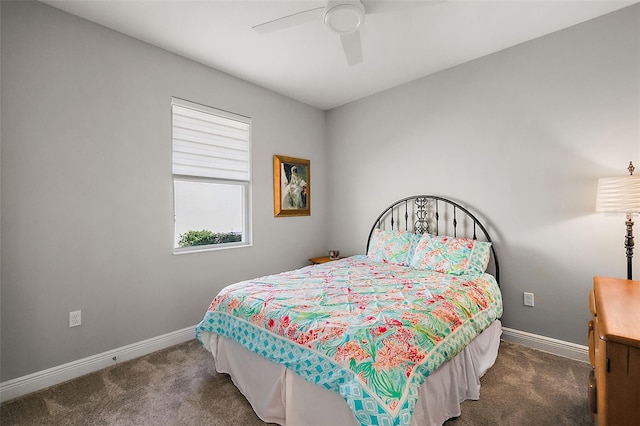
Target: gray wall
point(86, 189)
point(520, 137)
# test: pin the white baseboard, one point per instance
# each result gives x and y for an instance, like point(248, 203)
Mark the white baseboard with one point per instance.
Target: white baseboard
point(547, 344)
point(42, 379)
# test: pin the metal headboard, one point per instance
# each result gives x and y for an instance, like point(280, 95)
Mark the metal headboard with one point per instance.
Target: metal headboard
point(434, 215)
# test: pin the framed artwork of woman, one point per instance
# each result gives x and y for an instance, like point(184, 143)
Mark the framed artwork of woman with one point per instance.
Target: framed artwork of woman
point(291, 186)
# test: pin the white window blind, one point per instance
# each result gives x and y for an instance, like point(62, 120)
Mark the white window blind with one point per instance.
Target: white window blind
point(210, 143)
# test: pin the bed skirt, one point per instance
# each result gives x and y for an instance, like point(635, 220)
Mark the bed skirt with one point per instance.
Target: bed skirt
point(280, 396)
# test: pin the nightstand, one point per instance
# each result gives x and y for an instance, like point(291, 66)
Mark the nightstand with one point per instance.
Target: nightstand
point(322, 259)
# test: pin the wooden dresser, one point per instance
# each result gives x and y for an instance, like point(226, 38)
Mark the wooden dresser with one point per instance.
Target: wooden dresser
point(614, 351)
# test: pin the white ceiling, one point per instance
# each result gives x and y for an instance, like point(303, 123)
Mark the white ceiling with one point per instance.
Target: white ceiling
point(306, 62)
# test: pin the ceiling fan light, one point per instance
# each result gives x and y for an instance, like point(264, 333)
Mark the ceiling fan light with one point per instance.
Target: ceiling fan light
point(344, 18)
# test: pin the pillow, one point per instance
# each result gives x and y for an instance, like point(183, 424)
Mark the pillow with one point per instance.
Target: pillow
point(393, 247)
point(479, 259)
point(450, 255)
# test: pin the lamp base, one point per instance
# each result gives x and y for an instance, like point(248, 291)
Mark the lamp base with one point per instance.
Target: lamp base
point(628, 244)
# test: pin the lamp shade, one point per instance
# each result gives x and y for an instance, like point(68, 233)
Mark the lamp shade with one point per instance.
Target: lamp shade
point(619, 194)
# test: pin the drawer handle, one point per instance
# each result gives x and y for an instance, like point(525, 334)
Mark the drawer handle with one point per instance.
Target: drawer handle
point(592, 344)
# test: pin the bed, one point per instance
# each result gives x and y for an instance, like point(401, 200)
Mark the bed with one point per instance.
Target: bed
point(398, 336)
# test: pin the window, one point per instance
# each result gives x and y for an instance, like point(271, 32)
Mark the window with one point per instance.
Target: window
point(211, 165)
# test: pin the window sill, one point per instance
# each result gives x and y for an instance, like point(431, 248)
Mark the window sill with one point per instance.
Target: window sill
point(199, 249)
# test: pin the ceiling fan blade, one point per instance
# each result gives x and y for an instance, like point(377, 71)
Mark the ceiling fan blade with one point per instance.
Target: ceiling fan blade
point(290, 20)
point(352, 47)
point(375, 6)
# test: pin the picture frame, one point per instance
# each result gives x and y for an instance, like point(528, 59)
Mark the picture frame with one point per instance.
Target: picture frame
point(291, 186)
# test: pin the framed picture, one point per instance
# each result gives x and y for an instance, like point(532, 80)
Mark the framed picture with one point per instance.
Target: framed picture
point(291, 186)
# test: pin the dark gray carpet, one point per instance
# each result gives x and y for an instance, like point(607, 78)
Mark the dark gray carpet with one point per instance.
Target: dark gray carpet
point(529, 387)
point(179, 386)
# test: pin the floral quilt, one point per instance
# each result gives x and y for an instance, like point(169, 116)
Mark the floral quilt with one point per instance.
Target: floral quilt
point(370, 331)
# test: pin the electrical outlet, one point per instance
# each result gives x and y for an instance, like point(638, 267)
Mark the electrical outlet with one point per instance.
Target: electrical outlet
point(75, 318)
point(528, 299)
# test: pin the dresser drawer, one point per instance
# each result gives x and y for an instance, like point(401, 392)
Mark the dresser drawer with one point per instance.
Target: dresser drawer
point(593, 394)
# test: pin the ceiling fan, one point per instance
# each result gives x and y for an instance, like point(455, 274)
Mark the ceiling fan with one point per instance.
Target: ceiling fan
point(343, 17)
